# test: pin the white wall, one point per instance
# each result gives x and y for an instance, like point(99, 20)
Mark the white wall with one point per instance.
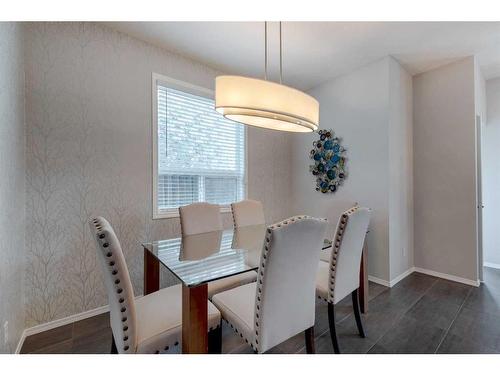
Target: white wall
point(400, 170)
point(445, 170)
point(12, 185)
point(375, 128)
point(480, 105)
point(88, 114)
point(491, 175)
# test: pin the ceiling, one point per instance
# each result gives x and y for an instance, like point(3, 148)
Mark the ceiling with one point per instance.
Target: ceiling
point(314, 52)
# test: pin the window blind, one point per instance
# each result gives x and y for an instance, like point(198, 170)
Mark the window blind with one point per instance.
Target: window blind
point(201, 155)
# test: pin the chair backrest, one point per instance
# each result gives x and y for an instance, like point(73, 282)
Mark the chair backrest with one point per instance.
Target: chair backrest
point(247, 212)
point(118, 285)
point(286, 282)
point(346, 254)
point(200, 217)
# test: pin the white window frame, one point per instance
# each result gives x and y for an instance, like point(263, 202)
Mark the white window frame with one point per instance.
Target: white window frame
point(195, 90)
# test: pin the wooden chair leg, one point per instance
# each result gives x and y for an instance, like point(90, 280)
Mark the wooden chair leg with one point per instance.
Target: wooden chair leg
point(113, 345)
point(333, 332)
point(309, 334)
point(215, 340)
point(357, 312)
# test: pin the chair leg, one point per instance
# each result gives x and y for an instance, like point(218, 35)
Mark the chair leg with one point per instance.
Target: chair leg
point(113, 345)
point(215, 340)
point(309, 333)
point(357, 312)
point(333, 332)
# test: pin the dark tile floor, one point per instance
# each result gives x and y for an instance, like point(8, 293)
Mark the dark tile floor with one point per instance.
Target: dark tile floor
point(421, 314)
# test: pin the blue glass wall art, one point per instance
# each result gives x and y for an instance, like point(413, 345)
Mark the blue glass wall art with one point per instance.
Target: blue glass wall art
point(329, 159)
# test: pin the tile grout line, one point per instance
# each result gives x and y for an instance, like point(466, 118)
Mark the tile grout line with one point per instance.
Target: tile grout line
point(402, 315)
point(453, 321)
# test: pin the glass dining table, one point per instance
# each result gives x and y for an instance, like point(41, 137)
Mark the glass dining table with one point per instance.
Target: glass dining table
point(199, 259)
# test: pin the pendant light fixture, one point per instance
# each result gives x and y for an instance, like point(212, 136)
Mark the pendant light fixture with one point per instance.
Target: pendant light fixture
point(266, 104)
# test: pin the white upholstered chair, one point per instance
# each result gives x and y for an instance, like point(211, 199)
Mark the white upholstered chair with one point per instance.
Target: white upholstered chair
point(339, 277)
point(204, 217)
point(247, 212)
point(281, 303)
point(200, 217)
point(149, 324)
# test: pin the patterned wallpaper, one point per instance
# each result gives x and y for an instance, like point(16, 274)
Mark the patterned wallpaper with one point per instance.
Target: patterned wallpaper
point(88, 142)
point(12, 192)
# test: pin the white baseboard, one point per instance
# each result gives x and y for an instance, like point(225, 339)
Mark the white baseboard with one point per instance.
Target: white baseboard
point(491, 265)
point(447, 277)
point(397, 279)
point(20, 343)
point(376, 280)
point(58, 323)
point(394, 281)
point(63, 321)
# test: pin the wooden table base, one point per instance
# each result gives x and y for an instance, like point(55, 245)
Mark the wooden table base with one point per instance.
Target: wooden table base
point(195, 319)
point(151, 273)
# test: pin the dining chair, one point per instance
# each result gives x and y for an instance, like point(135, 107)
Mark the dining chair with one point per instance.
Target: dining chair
point(281, 303)
point(339, 276)
point(202, 217)
point(247, 212)
point(148, 324)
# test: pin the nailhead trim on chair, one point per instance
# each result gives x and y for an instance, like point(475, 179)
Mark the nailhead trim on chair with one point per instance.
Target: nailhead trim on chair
point(104, 246)
point(169, 346)
point(232, 214)
point(260, 277)
point(339, 235)
point(101, 238)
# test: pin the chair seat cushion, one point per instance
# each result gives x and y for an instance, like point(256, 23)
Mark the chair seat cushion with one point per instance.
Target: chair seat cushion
point(159, 320)
point(227, 283)
point(326, 255)
point(237, 307)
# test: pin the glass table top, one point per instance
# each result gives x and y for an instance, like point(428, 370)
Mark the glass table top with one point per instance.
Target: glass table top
point(201, 258)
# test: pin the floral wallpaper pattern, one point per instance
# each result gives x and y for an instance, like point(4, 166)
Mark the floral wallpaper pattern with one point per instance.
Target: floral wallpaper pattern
point(88, 139)
point(12, 192)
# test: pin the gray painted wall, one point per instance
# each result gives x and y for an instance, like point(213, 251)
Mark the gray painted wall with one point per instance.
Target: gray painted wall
point(88, 111)
point(400, 170)
point(445, 170)
point(491, 174)
point(371, 110)
point(12, 185)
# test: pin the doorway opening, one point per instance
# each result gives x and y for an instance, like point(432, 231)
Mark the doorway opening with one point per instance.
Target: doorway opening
point(488, 177)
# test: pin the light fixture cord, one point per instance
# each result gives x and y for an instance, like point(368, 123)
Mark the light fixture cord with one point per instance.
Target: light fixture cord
point(265, 50)
point(265, 53)
point(281, 57)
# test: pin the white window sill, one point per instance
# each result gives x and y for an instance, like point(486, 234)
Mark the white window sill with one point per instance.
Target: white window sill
point(174, 213)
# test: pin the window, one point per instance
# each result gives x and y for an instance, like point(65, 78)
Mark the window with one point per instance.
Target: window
point(198, 155)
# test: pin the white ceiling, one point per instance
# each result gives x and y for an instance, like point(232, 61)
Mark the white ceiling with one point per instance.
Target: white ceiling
point(314, 52)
